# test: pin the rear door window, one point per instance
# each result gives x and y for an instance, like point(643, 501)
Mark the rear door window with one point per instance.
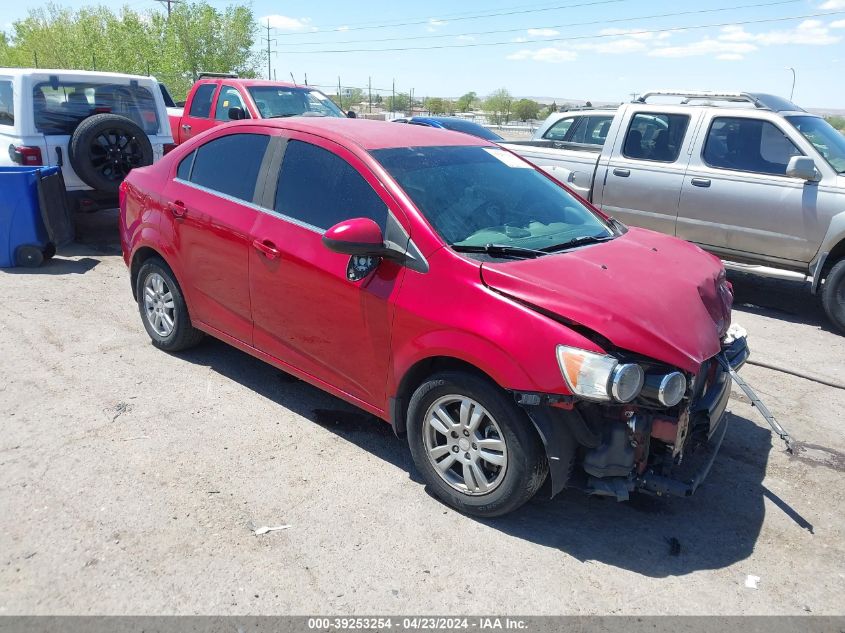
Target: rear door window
point(7, 104)
point(655, 136)
point(319, 188)
point(229, 97)
point(744, 144)
point(558, 131)
point(59, 107)
point(591, 130)
point(229, 164)
point(201, 102)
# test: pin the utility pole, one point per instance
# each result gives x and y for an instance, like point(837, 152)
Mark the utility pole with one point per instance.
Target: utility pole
point(168, 3)
point(392, 100)
point(339, 96)
point(306, 79)
point(369, 94)
point(269, 52)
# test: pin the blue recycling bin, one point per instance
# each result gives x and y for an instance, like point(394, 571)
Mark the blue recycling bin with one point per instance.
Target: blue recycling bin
point(34, 215)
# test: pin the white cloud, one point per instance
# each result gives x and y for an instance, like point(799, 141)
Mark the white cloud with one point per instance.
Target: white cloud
point(466, 38)
point(832, 5)
point(519, 40)
point(342, 28)
point(434, 23)
point(729, 57)
point(839, 24)
point(615, 47)
point(550, 54)
point(636, 34)
point(811, 32)
point(542, 32)
point(285, 23)
point(706, 46)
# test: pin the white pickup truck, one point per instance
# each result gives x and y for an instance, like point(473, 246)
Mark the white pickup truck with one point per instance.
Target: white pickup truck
point(750, 177)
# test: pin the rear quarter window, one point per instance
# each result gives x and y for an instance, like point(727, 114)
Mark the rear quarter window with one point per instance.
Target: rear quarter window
point(655, 136)
point(7, 103)
point(201, 102)
point(229, 164)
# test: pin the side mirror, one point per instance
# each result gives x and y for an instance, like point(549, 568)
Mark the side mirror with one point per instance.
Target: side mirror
point(362, 237)
point(802, 167)
point(351, 114)
point(236, 114)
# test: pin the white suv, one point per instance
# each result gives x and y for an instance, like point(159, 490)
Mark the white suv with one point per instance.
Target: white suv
point(96, 126)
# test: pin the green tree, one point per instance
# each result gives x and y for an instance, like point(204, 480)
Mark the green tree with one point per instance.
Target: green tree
point(466, 101)
point(197, 37)
point(838, 122)
point(525, 109)
point(498, 106)
point(399, 103)
point(436, 105)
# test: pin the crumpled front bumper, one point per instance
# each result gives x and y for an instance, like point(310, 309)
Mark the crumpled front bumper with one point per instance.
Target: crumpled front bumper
point(707, 411)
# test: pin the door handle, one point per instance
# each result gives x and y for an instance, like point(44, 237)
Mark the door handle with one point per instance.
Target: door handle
point(177, 208)
point(619, 171)
point(267, 248)
point(186, 127)
point(700, 182)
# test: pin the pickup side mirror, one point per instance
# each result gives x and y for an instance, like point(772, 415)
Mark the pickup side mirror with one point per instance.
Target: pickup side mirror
point(802, 167)
point(351, 114)
point(362, 237)
point(236, 114)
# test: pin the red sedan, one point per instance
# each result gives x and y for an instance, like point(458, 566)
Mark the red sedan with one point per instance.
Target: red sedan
point(517, 337)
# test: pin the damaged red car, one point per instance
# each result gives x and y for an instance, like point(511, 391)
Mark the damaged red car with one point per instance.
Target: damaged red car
point(521, 340)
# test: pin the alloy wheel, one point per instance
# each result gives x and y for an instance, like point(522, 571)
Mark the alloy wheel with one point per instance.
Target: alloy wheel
point(465, 444)
point(159, 308)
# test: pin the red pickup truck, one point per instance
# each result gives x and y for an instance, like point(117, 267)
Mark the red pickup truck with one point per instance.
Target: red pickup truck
point(217, 99)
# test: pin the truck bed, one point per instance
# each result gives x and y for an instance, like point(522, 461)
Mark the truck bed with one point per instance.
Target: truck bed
point(572, 163)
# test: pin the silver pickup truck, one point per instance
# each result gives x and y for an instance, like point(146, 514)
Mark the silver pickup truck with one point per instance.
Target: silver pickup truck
point(752, 178)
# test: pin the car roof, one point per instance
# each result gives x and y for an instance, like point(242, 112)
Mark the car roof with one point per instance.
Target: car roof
point(252, 82)
point(72, 74)
point(370, 135)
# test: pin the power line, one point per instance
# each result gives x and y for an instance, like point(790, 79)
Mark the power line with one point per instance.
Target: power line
point(560, 26)
point(471, 17)
point(564, 39)
point(168, 3)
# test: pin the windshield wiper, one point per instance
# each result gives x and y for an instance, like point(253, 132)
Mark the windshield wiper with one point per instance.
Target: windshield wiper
point(503, 250)
point(578, 241)
point(283, 116)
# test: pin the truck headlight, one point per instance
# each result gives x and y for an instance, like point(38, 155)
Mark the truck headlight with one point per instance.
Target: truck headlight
point(599, 376)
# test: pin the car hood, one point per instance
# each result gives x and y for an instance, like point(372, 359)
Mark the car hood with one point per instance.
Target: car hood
point(645, 292)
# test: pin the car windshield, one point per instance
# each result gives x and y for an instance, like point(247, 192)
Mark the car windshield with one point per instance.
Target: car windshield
point(275, 101)
point(479, 196)
point(829, 142)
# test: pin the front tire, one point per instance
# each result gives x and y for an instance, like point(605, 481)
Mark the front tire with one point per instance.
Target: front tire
point(833, 295)
point(475, 448)
point(163, 308)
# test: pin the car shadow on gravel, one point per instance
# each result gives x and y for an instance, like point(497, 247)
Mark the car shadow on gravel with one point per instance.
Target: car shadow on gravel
point(344, 420)
point(783, 299)
point(656, 537)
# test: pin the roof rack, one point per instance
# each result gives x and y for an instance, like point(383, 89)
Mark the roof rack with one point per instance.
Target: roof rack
point(218, 76)
point(757, 99)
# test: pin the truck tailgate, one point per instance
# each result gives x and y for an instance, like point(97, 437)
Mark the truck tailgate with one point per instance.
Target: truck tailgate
point(568, 162)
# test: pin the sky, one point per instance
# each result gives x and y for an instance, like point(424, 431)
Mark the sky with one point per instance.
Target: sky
point(599, 50)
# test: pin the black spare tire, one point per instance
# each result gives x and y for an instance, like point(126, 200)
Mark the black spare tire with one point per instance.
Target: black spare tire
point(104, 148)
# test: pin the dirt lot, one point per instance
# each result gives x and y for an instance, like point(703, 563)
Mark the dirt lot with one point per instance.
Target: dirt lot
point(131, 480)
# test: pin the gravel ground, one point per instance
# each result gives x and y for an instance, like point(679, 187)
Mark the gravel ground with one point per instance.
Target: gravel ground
point(132, 480)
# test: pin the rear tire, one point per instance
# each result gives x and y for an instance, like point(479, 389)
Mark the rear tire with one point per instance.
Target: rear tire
point(485, 459)
point(164, 312)
point(833, 295)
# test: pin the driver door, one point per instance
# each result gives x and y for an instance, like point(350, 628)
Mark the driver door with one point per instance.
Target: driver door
point(306, 311)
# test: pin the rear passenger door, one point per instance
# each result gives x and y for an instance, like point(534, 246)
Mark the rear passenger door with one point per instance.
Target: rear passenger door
point(197, 117)
point(641, 182)
point(211, 216)
point(737, 199)
point(307, 310)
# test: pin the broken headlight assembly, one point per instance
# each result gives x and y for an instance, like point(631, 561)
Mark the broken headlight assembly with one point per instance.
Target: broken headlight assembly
point(599, 376)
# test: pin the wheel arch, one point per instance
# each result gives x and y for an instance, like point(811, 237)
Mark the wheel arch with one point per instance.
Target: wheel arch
point(139, 257)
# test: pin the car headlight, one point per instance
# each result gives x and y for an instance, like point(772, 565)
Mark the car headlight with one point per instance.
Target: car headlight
point(667, 389)
point(599, 376)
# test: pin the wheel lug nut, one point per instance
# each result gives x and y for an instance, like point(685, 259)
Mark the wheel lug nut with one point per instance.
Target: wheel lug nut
point(466, 433)
point(466, 455)
point(455, 449)
point(454, 434)
point(474, 447)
